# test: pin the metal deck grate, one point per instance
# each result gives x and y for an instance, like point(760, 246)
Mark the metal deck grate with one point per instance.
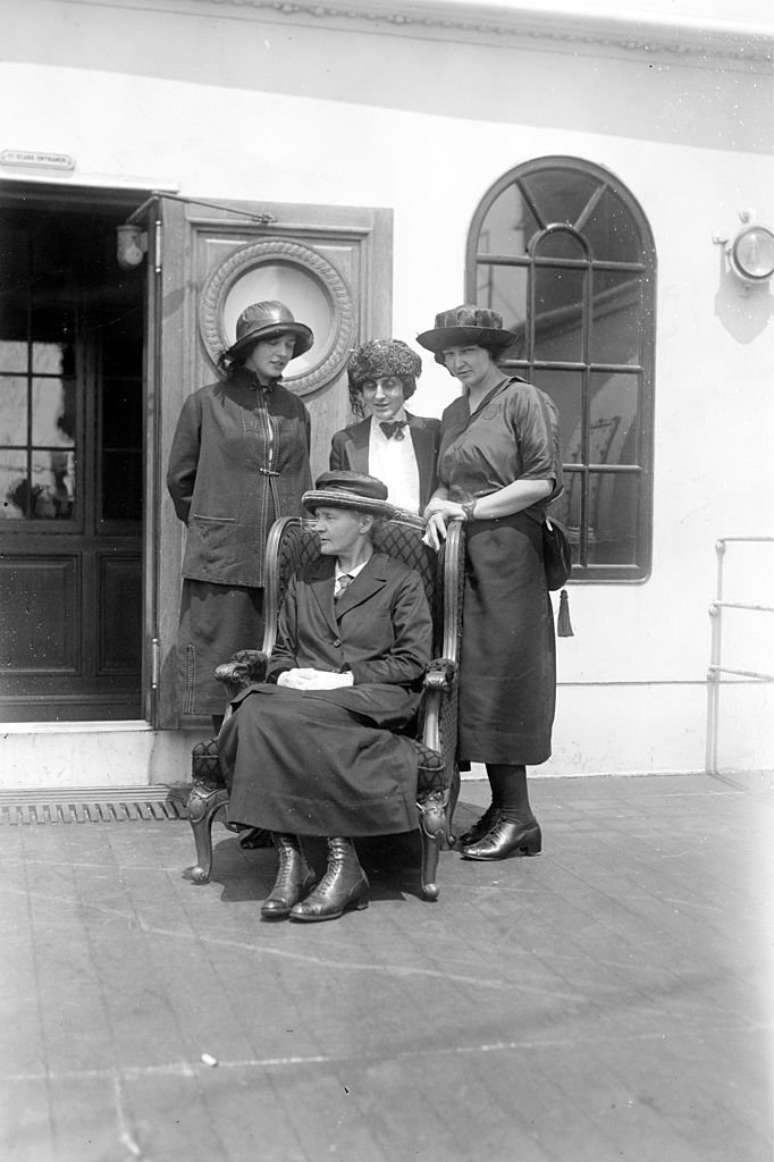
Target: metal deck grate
point(93, 805)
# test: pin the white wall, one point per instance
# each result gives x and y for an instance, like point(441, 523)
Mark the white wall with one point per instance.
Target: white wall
point(230, 105)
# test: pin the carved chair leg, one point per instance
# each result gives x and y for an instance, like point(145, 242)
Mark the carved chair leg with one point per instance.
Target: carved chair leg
point(433, 831)
point(204, 803)
point(454, 794)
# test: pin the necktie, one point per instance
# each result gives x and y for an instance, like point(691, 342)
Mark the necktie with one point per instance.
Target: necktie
point(393, 429)
point(343, 582)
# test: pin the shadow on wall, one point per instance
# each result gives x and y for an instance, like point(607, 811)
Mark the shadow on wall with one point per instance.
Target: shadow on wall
point(744, 309)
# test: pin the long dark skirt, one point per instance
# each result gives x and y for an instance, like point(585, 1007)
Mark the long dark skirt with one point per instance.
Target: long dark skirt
point(305, 765)
point(215, 622)
point(508, 666)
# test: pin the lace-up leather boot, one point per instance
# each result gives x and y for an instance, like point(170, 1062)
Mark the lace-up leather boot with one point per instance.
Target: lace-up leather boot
point(294, 878)
point(343, 886)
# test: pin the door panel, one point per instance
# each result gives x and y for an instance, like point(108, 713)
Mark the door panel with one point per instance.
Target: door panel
point(333, 268)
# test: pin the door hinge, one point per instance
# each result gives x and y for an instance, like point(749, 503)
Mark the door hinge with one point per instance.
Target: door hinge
point(157, 245)
point(155, 663)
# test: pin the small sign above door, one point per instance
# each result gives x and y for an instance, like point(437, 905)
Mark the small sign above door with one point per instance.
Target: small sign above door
point(36, 159)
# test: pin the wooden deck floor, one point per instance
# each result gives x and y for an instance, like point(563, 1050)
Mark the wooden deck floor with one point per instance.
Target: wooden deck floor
point(610, 999)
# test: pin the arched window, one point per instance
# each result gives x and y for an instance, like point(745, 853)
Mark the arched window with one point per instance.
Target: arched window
point(563, 251)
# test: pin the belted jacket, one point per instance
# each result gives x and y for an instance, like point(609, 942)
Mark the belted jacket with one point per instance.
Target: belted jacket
point(239, 461)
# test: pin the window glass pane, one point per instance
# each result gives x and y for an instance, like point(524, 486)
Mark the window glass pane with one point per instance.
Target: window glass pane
point(614, 434)
point(565, 389)
point(48, 358)
point(559, 314)
point(13, 355)
point(504, 289)
point(53, 412)
point(122, 485)
point(304, 294)
point(616, 329)
point(53, 484)
point(612, 232)
point(13, 410)
point(613, 518)
point(560, 244)
point(560, 194)
point(508, 226)
point(14, 488)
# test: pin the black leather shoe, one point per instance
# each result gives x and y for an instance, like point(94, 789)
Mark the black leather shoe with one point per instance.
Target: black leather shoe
point(480, 828)
point(505, 839)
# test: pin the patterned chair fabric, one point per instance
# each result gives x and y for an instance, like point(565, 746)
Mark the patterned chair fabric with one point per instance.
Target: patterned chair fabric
point(292, 545)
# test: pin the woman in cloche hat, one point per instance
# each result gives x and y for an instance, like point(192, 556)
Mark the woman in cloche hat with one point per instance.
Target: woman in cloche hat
point(311, 750)
point(498, 466)
point(239, 460)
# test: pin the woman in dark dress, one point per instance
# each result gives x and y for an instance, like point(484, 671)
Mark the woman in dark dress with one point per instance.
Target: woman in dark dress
point(312, 750)
point(499, 466)
point(239, 460)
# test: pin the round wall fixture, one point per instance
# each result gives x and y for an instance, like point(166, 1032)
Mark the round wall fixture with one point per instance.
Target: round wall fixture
point(301, 278)
point(752, 253)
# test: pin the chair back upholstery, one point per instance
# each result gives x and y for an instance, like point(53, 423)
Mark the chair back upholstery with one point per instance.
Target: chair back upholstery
point(293, 544)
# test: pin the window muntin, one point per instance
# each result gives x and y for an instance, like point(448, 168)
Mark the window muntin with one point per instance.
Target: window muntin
point(563, 251)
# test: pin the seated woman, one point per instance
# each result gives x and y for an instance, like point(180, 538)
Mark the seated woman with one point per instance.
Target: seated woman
point(312, 749)
point(382, 375)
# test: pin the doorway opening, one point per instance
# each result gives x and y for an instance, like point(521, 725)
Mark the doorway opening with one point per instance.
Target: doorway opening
point(72, 326)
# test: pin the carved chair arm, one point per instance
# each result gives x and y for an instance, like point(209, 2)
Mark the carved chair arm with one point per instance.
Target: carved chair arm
point(246, 667)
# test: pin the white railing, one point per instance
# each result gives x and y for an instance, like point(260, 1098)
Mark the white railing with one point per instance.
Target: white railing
point(716, 669)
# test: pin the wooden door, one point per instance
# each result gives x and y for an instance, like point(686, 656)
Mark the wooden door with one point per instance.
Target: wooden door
point(71, 418)
point(331, 265)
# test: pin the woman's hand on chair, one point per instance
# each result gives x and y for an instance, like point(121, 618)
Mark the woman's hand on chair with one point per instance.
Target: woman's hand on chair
point(438, 513)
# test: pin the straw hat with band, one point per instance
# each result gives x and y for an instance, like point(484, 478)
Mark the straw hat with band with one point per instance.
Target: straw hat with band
point(466, 326)
point(268, 320)
point(351, 490)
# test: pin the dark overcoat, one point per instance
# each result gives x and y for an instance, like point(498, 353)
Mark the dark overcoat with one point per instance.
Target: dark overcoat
point(349, 449)
point(239, 460)
point(327, 762)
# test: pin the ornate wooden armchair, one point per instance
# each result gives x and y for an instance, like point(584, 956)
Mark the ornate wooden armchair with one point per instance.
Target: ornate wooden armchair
point(291, 546)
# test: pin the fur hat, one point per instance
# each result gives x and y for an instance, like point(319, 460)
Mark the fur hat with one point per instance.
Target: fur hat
point(352, 490)
point(465, 326)
point(381, 357)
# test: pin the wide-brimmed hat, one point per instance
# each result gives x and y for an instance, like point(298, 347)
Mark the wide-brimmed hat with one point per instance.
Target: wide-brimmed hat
point(380, 357)
point(353, 490)
point(269, 320)
point(465, 326)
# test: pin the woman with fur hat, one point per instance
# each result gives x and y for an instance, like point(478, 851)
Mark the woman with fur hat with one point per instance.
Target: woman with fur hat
point(239, 460)
point(499, 466)
point(311, 750)
point(382, 376)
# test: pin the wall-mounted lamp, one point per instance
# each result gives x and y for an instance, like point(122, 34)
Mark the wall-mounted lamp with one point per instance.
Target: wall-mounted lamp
point(750, 252)
point(131, 245)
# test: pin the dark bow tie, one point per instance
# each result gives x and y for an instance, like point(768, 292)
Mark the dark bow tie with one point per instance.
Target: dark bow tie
point(393, 429)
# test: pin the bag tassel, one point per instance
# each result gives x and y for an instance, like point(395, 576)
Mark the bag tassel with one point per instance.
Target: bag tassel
point(563, 623)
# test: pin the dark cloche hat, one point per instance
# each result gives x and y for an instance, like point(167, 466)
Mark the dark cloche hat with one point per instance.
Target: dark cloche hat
point(269, 320)
point(380, 357)
point(352, 490)
point(466, 325)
